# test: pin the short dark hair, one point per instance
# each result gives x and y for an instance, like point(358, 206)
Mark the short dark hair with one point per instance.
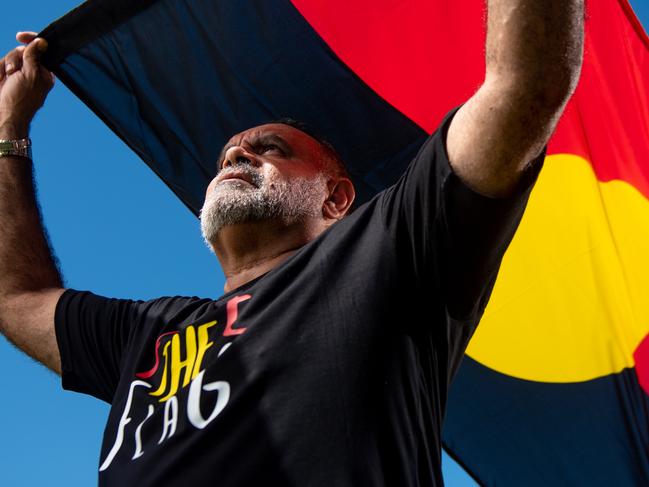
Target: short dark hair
point(338, 164)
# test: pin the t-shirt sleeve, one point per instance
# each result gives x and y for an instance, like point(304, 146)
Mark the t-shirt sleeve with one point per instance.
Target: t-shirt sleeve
point(451, 238)
point(93, 333)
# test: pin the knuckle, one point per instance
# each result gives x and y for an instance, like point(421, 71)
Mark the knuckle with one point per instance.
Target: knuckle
point(12, 59)
point(17, 52)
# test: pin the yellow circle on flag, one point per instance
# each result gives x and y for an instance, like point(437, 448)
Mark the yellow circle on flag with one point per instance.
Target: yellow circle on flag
point(571, 302)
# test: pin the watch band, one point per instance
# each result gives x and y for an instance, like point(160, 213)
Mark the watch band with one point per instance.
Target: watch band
point(16, 148)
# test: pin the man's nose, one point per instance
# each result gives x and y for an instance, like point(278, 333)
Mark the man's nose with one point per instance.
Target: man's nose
point(238, 155)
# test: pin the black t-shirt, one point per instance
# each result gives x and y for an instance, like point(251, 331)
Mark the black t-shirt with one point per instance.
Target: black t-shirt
point(330, 370)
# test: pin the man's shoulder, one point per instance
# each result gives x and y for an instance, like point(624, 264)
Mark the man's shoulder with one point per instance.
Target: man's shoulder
point(163, 305)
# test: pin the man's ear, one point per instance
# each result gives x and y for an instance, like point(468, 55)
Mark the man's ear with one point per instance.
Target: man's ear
point(340, 199)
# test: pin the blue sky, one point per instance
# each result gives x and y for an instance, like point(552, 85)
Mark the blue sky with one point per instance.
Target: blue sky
point(117, 231)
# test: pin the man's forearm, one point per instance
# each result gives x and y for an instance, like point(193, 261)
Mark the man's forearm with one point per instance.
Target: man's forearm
point(536, 47)
point(26, 263)
point(30, 283)
point(539, 42)
point(533, 57)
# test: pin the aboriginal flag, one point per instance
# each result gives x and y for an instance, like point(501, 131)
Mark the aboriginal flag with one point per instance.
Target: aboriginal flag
point(555, 388)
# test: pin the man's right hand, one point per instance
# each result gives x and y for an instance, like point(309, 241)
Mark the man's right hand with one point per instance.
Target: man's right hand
point(24, 85)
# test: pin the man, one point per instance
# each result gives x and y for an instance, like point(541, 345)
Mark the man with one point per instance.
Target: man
point(328, 359)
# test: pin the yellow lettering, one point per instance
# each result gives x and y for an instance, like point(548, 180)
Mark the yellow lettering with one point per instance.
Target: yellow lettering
point(178, 365)
point(203, 345)
point(196, 344)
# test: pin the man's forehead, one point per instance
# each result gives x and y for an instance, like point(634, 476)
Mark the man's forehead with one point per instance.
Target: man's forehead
point(283, 131)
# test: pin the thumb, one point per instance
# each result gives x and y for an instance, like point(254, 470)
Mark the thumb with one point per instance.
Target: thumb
point(32, 54)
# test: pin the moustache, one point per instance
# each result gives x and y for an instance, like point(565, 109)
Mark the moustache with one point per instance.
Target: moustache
point(243, 171)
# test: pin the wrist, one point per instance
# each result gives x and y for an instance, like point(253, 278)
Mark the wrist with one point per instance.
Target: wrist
point(13, 130)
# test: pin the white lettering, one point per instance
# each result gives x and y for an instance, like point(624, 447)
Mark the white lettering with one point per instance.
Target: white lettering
point(225, 347)
point(194, 400)
point(170, 420)
point(124, 420)
point(138, 434)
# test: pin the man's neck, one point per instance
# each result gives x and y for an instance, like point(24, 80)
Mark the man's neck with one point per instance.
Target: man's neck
point(249, 250)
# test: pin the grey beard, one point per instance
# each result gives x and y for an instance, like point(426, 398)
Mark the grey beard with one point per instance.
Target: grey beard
point(232, 203)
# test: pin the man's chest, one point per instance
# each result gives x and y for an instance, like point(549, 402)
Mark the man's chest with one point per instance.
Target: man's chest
point(277, 359)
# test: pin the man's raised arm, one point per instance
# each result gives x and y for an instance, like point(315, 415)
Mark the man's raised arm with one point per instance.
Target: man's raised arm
point(30, 284)
point(534, 54)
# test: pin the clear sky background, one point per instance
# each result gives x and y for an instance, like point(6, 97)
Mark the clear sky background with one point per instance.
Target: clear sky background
point(118, 231)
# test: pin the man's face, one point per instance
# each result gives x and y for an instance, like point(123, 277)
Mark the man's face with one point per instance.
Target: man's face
point(270, 172)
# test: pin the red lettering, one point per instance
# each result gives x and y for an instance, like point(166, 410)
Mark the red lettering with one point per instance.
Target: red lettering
point(233, 313)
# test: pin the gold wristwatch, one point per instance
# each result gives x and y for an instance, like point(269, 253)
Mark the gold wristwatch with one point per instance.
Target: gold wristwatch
point(16, 148)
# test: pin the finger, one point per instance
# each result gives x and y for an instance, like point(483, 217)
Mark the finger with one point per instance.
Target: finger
point(33, 53)
point(26, 36)
point(14, 60)
point(48, 77)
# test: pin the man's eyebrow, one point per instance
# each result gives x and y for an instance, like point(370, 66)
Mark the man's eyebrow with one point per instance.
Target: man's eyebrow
point(271, 138)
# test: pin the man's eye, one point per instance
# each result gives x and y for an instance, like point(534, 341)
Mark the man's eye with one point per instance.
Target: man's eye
point(269, 148)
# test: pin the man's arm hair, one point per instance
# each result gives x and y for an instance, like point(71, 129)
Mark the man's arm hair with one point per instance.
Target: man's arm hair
point(534, 53)
point(30, 284)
